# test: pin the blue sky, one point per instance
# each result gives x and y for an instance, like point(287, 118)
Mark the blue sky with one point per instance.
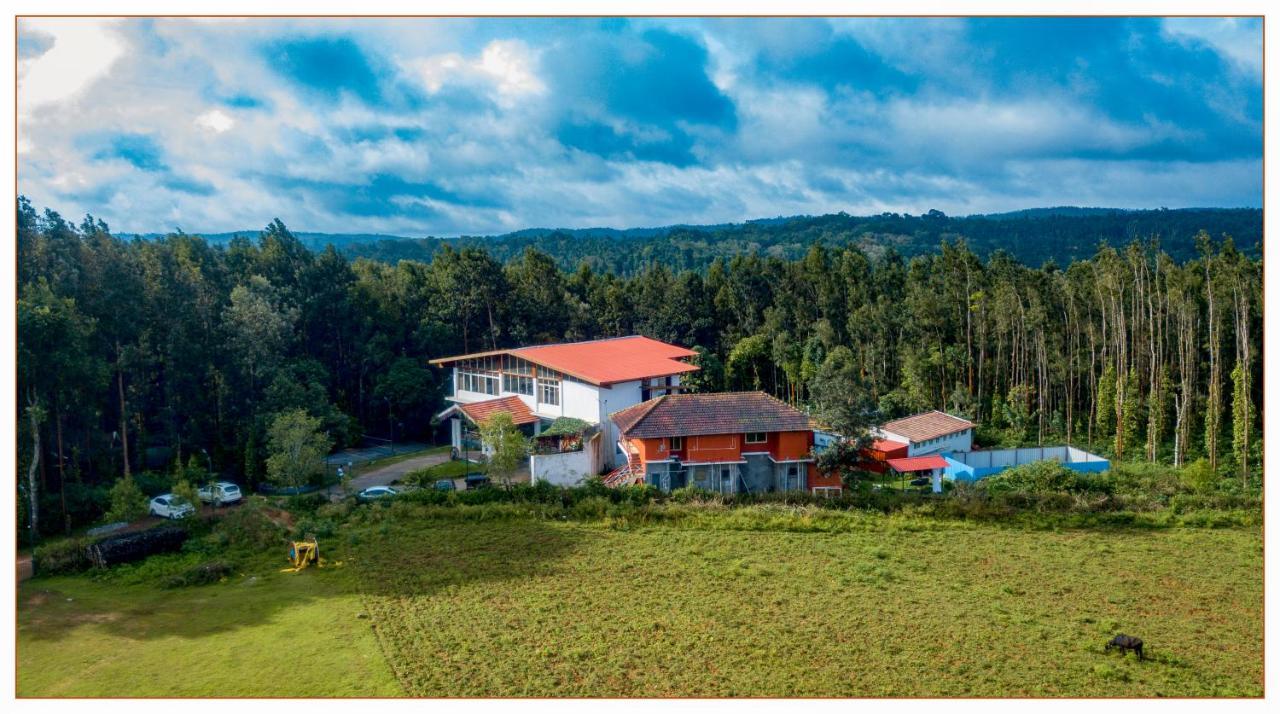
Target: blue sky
point(456, 126)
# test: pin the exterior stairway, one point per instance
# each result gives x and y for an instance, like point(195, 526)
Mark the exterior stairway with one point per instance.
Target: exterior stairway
point(629, 474)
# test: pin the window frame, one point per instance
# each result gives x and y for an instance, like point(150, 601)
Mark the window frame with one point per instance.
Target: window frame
point(548, 386)
point(764, 437)
point(675, 443)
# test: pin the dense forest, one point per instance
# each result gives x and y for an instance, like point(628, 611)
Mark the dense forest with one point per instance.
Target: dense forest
point(1032, 237)
point(138, 355)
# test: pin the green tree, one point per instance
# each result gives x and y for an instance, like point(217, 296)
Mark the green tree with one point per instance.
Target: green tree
point(841, 400)
point(128, 503)
point(1241, 420)
point(1130, 416)
point(505, 446)
point(296, 447)
point(1106, 403)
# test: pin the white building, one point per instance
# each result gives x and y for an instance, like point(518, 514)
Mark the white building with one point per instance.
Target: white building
point(583, 380)
point(932, 432)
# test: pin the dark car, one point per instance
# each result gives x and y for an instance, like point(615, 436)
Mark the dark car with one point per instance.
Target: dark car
point(475, 480)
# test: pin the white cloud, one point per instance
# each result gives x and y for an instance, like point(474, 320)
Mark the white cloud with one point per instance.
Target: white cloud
point(1235, 38)
point(83, 50)
point(215, 120)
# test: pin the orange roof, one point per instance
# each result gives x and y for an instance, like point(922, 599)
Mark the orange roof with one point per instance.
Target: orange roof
point(602, 362)
point(889, 448)
point(918, 463)
point(480, 412)
point(929, 425)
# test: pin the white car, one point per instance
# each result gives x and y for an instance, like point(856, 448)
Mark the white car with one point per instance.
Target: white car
point(171, 506)
point(373, 493)
point(220, 493)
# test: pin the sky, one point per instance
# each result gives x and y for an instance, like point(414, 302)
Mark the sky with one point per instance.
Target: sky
point(477, 126)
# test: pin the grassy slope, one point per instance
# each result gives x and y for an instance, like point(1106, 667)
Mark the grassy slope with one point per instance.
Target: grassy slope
point(274, 635)
point(559, 609)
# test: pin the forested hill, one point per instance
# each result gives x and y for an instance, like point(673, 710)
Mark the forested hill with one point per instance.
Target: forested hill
point(1033, 237)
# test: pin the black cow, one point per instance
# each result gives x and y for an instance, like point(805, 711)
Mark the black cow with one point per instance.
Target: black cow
point(1126, 643)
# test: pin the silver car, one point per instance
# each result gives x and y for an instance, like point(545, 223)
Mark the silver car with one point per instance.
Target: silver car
point(220, 493)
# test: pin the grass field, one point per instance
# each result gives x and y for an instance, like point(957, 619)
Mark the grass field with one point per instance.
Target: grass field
point(271, 634)
point(530, 607)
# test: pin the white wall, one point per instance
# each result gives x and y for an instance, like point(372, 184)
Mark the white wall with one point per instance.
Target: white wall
point(612, 399)
point(960, 441)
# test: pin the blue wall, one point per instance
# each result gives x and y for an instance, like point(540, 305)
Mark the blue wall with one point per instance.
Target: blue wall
point(963, 472)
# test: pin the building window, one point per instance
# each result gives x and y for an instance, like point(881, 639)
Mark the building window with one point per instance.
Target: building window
point(518, 384)
point(757, 437)
point(827, 491)
point(549, 391)
point(482, 382)
point(677, 443)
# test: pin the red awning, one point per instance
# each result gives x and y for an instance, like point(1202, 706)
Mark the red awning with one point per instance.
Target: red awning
point(889, 448)
point(918, 463)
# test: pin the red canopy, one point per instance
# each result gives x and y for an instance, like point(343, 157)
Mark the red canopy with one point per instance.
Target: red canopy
point(918, 463)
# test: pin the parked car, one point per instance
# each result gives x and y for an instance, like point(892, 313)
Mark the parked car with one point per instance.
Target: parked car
point(476, 480)
point(373, 493)
point(171, 506)
point(220, 493)
point(445, 484)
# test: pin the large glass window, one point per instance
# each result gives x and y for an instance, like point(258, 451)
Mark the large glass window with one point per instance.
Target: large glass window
point(757, 437)
point(549, 391)
point(518, 384)
point(482, 382)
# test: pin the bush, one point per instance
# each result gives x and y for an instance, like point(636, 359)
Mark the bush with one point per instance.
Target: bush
point(1199, 476)
point(153, 483)
point(127, 501)
point(1043, 477)
point(315, 526)
point(61, 557)
point(202, 574)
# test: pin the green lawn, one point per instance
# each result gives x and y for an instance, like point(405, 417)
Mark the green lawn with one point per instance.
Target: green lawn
point(546, 609)
point(522, 606)
point(270, 634)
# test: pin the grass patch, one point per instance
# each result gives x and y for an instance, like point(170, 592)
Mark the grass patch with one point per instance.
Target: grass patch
point(270, 634)
point(520, 607)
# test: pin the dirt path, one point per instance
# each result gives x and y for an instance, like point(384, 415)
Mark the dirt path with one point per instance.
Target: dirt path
point(389, 473)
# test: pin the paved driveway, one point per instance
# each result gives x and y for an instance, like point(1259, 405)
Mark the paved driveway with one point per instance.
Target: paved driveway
point(385, 475)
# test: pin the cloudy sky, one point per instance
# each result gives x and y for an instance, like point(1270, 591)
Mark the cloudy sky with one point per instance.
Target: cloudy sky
point(453, 126)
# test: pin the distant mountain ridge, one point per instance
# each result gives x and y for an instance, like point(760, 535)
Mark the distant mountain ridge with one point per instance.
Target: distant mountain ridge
point(1033, 236)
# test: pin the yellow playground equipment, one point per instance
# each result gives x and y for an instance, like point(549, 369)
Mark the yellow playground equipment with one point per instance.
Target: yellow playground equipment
point(303, 553)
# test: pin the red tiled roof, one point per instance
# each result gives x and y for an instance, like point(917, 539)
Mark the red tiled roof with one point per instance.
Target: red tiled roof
point(480, 412)
point(929, 425)
point(888, 447)
point(602, 362)
point(917, 463)
point(700, 414)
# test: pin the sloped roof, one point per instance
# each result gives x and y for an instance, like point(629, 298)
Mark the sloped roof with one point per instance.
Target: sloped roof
point(602, 362)
point(480, 412)
point(929, 425)
point(699, 414)
point(888, 447)
point(917, 463)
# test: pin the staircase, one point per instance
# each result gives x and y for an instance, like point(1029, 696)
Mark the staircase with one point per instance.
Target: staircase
point(629, 474)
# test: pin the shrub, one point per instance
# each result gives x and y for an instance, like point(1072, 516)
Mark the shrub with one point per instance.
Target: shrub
point(1044, 477)
point(127, 501)
point(1199, 476)
point(315, 526)
point(61, 557)
point(202, 574)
